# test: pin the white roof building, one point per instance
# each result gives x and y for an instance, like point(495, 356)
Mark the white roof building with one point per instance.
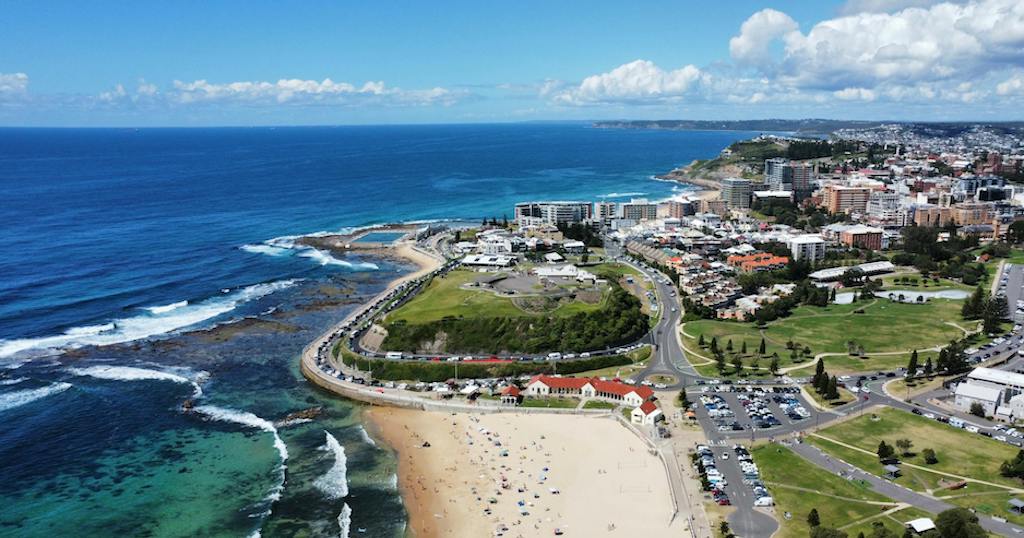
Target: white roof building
point(921, 525)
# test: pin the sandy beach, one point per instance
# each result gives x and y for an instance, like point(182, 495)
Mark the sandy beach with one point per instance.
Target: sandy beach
point(531, 474)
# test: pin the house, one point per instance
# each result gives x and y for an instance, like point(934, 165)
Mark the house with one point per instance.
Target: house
point(574, 247)
point(479, 260)
point(510, 395)
point(553, 257)
point(611, 391)
point(647, 414)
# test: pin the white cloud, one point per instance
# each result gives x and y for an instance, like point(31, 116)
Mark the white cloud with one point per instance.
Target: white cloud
point(307, 92)
point(1011, 86)
point(855, 94)
point(13, 84)
point(637, 81)
point(757, 34)
point(944, 42)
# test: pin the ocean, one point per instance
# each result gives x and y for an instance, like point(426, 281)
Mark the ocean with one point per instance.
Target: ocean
point(143, 268)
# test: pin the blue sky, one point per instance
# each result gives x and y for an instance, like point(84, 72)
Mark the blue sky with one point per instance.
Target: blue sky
point(255, 63)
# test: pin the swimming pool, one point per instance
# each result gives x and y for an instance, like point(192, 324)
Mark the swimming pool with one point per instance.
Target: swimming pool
point(381, 237)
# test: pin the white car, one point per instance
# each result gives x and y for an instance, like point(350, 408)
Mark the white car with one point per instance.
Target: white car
point(929, 415)
point(972, 429)
point(1000, 438)
point(725, 455)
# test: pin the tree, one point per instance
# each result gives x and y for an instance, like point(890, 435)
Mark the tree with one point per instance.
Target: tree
point(978, 410)
point(700, 340)
point(912, 365)
point(929, 456)
point(684, 400)
point(974, 306)
point(737, 363)
point(904, 445)
point(743, 349)
point(714, 345)
point(928, 368)
point(995, 311)
point(1015, 233)
point(832, 392)
point(720, 363)
point(813, 519)
point(959, 523)
point(723, 527)
point(773, 366)
point(1013, 468)
point(728, 346)
point(884, 451)
point(819, 370)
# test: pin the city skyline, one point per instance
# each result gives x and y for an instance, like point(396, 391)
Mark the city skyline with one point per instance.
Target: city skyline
point(235, 64)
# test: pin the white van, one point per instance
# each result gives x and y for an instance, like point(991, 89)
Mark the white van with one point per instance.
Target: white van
point(554, 356)
point(764, 501)
point(955, 422)
point(393, 355)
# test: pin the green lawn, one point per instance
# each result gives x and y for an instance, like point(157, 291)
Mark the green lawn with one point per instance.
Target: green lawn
point(797, 486)
point(959, 452)
point(884, 326)
point(599, 404)
point(891, 283)
point(444, 297)
point(561, 403)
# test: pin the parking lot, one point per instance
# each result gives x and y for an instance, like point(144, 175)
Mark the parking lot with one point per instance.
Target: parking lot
point(735, 411)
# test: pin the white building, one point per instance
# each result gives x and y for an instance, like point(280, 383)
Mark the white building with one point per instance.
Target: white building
point(810, 248)
point(968, 394)
point(647, 414)
point(488, 261)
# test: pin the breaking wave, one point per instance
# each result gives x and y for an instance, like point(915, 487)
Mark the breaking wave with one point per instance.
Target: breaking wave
point(622, 194)
point(334, 483)
point(19, 398)
point(12, 381)
point(344, 521)
point(158, 320)
point(286, 246)
point(166, 308)
point(130, 373)
point(366, 436)
point(249, 420)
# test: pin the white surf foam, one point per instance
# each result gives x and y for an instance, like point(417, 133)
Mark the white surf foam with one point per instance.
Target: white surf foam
point(145, 325)
point(334, 483)
point(166, 308)
point(250, 420)
point(622, 194)
point(130, 373)
point(366, 436)
point(285, 245)
point(13, 381)
point(268, 250)
point(344, 521)
point(393, 482)
point(22, 397)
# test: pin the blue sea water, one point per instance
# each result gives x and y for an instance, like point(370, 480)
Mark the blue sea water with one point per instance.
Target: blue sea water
point(132, 239)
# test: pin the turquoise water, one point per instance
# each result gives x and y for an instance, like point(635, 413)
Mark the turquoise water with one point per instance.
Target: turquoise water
point(380, 237)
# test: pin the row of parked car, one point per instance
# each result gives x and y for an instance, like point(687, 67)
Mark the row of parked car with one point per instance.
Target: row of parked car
point(752, 477)
point(714, 479)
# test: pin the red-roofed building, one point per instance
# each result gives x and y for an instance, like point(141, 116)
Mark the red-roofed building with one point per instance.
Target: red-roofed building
point(613, 391)
point(510, 395)
point(647, 414)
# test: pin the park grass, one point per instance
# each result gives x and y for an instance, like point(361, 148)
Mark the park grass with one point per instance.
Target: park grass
point(959, 452)
point(884, 327)
point(890, 283)
point(989, 504)
point(598, 404)
point(444, 297)
point(558, 403)
point(898, 388)
point(894, 522)
point(845, 397)
point(798, 486)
